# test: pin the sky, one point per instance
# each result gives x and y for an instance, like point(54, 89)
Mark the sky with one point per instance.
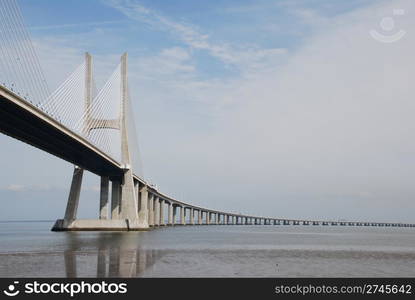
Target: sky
point(285, 108)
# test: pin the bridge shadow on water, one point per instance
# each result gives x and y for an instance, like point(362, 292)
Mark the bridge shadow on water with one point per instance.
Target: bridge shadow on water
point(116, 255)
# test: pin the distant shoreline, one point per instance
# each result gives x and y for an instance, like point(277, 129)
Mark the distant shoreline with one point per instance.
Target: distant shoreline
point(24, 221)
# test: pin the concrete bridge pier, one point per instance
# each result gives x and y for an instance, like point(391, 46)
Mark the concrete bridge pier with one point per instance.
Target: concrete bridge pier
point(170, 213)
point(103, 198)
point(200, 217)
point(192, 216)
point(182, 215)
point(162, 222)
point(115, 199)
point(73, 200)
point(151, 210)
point(174, 215)
point(156, 210)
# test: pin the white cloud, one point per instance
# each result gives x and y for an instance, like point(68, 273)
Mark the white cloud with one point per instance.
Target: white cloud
point(28, 187)
point(14, 188)
point(245, 58)
point(72, 25)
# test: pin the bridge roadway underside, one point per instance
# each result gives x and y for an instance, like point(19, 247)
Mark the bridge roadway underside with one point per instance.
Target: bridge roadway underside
point(25, 126)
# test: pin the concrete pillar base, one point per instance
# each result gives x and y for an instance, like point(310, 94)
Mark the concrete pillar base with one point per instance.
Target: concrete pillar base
point(98, 225)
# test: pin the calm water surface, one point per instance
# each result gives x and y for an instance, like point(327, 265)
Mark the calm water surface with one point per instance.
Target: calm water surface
point(30, 249)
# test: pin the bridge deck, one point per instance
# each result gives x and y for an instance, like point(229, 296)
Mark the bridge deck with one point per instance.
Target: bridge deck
point(26, 123)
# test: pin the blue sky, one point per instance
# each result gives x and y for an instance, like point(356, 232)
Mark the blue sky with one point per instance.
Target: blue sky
point(277, 108)
point(238, 25)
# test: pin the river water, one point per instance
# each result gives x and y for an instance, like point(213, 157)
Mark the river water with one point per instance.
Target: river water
point(30, 249)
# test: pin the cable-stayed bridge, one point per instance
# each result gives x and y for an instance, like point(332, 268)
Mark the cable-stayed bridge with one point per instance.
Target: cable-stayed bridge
point(95, 130)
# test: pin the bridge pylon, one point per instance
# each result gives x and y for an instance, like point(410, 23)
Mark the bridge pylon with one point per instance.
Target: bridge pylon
point(129, 197)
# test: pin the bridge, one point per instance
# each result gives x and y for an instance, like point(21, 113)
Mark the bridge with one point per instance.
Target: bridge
point(95, 131)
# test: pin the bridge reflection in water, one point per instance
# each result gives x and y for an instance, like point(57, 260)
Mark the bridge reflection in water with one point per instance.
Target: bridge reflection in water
point(116, 256)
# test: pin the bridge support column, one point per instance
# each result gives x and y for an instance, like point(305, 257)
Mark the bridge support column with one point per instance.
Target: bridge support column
point(170, 216)
point(128, 198)
point(200, 217)
point(192, 216)
point(115, 200)
point(174, 214)
point(103, 198)
point(73, 201)
point(75, 191)
point(156, 211)
point(162, 223)
point(151, 210)
point(207, 218)
point(182, 215)
point(142, 216)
